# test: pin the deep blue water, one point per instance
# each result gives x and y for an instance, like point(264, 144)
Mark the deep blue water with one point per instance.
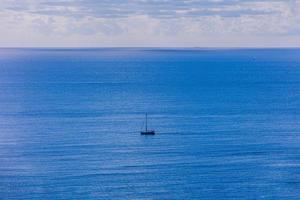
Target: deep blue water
point(227, 123)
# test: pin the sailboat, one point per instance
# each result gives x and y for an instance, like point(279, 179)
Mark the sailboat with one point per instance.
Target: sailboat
point(146, 131)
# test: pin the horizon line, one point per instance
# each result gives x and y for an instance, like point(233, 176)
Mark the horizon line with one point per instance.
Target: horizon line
point(148, 47)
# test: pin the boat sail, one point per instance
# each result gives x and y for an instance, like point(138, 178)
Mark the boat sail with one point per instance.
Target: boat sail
point(146, 131)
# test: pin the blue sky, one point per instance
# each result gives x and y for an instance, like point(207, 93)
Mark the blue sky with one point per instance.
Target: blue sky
point(166, 23)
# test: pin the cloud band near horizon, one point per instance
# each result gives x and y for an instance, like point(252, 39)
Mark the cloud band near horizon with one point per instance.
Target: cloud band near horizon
point(224, 23)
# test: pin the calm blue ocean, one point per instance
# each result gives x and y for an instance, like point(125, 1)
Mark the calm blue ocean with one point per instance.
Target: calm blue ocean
point(227, 123)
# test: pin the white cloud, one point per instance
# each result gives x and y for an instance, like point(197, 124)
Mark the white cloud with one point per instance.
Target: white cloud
point(150, 23)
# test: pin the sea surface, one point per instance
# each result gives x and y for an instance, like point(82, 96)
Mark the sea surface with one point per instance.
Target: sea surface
point(227, 123)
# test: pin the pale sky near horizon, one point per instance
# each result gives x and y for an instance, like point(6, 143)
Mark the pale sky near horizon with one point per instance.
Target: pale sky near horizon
point(151, 23)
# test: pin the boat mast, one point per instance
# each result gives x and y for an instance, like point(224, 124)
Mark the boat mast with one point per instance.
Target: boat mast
point(146, 121)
